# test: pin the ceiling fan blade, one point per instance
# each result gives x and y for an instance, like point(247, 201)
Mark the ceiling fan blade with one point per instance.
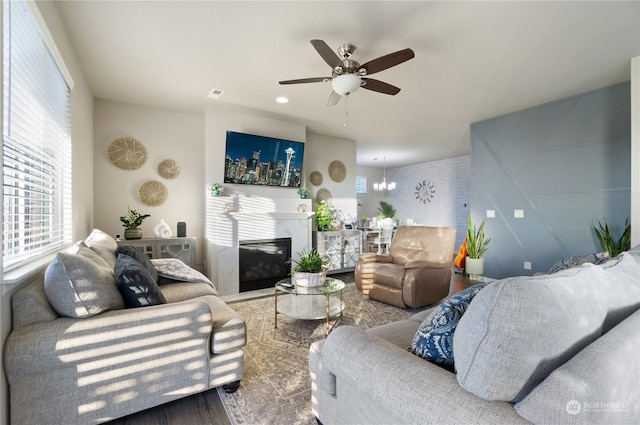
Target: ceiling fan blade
point(387, 61)
point(306, 80)
point(333, 98)
point(329, 56)
point(379, 86)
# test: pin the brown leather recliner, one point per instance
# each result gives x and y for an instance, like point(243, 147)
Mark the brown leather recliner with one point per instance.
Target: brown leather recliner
point(415, 273)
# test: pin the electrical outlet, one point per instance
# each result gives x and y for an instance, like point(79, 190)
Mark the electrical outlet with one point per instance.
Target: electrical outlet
point(527, 265)
point(518, 213)
point(491, 213)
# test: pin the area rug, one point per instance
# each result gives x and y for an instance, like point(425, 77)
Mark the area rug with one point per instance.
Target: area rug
point(276, 387)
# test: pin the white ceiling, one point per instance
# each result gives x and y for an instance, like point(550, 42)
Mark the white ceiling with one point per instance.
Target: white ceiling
point(474, 60)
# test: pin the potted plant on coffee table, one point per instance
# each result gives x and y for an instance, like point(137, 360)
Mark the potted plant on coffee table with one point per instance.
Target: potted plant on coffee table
point(476, 246)
point(309, 269)
point(132, 222)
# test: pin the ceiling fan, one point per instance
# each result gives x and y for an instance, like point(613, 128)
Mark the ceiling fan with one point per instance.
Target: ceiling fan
point(348, 75)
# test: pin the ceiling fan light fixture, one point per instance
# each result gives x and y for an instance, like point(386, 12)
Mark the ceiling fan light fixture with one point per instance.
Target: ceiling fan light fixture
point(346, 84)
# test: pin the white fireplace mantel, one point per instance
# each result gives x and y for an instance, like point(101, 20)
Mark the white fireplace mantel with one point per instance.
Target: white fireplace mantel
point(225, 229)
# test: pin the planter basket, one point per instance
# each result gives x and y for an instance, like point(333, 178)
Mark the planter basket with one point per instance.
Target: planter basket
point(308, 279)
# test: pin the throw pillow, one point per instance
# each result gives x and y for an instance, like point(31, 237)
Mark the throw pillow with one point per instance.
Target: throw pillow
point(78, 286)
point(139, 256)
point(579, 260)
point(103, 245)
point(434, 339)
point(135, 284)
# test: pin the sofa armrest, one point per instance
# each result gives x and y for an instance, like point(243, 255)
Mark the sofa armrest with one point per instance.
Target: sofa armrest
point(424, 264)
point(114, 336)
point(400, 382)
point(370, 257)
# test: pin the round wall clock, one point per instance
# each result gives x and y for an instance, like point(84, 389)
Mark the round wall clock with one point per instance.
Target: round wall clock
point(425, 191)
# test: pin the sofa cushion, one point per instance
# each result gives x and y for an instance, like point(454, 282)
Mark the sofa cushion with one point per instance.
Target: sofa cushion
point(434, 339)
point(80, 286)
point(136, 284)
point(597, 386)
point(597, 258)
point(139, 256)
point(518, 330)
point(103, 245)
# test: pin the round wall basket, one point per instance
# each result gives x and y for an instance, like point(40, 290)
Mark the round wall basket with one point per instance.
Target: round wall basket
point(169, 169)
point(337, 171)
point(127, 153)
point(324, 195)
point(153, 193)
point(315, 178)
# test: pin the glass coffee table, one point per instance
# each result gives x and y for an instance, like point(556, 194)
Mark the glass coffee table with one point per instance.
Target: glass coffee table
point(310, 302)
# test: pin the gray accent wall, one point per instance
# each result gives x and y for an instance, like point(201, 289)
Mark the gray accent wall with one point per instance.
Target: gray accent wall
point(566, 164)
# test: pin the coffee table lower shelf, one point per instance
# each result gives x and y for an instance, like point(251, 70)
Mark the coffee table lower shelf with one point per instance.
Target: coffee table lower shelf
point(310, 307)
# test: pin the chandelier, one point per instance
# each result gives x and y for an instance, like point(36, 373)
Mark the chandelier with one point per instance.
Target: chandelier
point(384, 185)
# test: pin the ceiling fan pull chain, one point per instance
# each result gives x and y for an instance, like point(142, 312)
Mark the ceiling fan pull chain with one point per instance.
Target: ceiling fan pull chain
point(346, 110)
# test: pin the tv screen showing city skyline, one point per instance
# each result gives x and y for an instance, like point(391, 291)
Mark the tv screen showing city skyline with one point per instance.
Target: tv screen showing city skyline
point(262, 161)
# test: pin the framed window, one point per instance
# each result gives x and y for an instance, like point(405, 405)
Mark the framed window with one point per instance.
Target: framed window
point(361, 185)
point(36, 141)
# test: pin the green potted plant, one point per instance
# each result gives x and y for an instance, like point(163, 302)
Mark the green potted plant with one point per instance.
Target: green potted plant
point(386, 210)
point(607, 241)
point(309, 268)
point(324, 216)
point(216, 189)
point(477, 245)
point(132, 221)
point(304, 193)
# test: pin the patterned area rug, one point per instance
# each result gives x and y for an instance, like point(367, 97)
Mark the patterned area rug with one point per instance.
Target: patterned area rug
point(276, 387)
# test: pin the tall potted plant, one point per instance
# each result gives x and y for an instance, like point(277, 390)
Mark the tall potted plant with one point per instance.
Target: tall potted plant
point(608, 242)
point(476, 246)
point(132, 222)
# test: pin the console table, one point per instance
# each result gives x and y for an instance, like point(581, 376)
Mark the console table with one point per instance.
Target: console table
point(342, 247)
point(182, 248)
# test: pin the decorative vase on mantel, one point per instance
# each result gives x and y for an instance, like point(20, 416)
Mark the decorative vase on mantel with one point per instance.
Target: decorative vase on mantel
point(135, 233)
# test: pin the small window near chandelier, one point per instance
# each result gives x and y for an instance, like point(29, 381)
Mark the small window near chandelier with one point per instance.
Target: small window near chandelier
point(361, 185)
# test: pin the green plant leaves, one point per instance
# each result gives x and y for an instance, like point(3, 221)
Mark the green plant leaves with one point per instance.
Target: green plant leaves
point(608, 242)
point(476, 242)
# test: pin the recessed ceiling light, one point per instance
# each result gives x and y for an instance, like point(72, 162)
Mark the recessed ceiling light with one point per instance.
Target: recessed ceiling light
point(282, 99)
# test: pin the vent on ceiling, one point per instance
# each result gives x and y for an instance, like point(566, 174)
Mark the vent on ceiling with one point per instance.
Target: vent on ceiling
point(215, 94)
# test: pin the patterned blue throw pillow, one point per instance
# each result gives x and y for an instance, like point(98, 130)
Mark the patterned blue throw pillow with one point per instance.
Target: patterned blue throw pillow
point(434, 339)
point(567, 263)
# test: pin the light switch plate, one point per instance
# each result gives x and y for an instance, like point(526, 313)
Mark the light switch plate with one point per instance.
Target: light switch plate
point(491, 213)
point(518, 213)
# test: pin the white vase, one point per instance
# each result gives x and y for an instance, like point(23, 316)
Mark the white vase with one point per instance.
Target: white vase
point(474, 266)
point(162, 230)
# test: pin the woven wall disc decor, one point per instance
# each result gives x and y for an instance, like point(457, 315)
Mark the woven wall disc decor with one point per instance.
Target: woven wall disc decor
point(337, 171)
point(153, 193)
point(324, 195)
point(315, 178)
point(127, 153)
point(169, 169)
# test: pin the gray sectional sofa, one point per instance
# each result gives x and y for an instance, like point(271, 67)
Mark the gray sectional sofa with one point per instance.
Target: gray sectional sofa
point(77, 356)
point(552, 349)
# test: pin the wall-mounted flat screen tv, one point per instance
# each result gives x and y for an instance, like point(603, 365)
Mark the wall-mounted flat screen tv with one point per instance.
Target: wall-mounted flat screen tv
point(262, 161)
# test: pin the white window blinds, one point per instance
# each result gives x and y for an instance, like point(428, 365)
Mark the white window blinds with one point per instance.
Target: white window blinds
point(36, 143)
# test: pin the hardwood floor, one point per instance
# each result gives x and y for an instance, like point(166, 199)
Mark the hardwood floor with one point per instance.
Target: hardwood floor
point(198, 409)
point(207, 408)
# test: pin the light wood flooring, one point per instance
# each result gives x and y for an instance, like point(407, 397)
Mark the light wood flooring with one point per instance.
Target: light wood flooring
point(206, 408)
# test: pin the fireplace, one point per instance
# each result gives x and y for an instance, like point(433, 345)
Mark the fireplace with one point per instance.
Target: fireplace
point(262, 263)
